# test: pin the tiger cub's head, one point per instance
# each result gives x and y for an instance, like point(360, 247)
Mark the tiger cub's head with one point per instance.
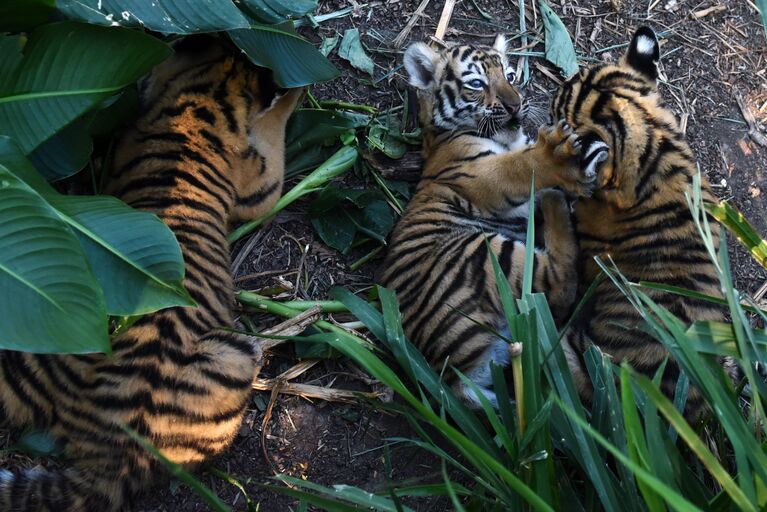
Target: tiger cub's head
point(465, 87)
point(619, 104)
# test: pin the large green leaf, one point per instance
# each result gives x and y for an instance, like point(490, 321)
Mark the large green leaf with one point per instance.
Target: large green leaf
point(308, 127)
point(64, 154)
point(67, 68)
point(134, 255)
point(559, 46)
point(294, 61)
point(352, 50)
point(49, 299)
point(275, 11)
point(168, 16)
point(18, 15)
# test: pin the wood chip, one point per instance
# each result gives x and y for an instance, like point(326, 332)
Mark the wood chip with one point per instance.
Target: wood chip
point(710, 10)
point(548, 73)
point(400, 39)
point(444, 19)
point(291, 327)
point(753, 130)
point(309, 391)
point(760, 293)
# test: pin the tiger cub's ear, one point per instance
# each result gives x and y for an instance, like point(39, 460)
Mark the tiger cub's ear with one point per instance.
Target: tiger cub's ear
point(499, 44)
point(421, 64)
point(643, 53)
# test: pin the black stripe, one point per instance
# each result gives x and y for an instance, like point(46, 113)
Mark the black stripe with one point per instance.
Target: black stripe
point(258, 196)
point(205, 115)
point(215, 142)
point(226, 380)
point(175, 137)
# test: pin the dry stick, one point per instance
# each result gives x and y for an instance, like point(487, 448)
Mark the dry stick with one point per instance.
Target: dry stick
point(710, 10)
point(245, 251)
point(265, 422)
point(761, 292)
point(291, 327)
point(748, 116)
point(400, 39)
point(444, 19)
point(310, 391)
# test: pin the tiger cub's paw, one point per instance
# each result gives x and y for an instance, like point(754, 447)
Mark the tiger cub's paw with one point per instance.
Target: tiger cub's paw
point(554, 206)
point(596, 151)
point(575, 159)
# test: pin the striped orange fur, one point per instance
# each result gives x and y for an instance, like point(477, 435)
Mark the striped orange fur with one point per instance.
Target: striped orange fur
point(206, 151)
point(473, 197)
point(638, 216)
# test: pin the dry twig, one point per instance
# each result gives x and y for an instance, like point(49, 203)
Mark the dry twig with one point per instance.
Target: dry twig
point(444, 19)
point(290, 327)
point(400, 39)
point(753, 130)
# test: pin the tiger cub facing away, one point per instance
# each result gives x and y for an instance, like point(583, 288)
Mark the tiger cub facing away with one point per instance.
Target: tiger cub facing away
point(207, 151)
point(638, 214)
point(475, 186)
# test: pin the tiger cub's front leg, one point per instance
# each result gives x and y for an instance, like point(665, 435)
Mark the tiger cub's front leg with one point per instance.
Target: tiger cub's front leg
point(558, 159)
point(556, 272)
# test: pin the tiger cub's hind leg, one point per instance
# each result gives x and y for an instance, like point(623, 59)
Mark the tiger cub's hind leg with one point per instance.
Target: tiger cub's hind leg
point(556, 265)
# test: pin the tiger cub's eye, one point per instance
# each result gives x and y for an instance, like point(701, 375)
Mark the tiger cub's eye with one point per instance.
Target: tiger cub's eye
point(475, 84)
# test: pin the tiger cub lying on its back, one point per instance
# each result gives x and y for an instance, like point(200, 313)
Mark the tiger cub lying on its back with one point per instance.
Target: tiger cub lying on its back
point(207, 151)
point(475, 185)
point(638, 215)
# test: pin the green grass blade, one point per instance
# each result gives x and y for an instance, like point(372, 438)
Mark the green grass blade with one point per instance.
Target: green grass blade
point(501, 430)
point(582, 445)
point(737, 224)
point(693, 441)
point(481, 457)
point(675, 500)
point(457, 507)
point(636, 443)
point(607, 411)
point(684, 292)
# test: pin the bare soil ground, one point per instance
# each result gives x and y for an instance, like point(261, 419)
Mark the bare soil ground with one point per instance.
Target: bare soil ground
point(713, 53)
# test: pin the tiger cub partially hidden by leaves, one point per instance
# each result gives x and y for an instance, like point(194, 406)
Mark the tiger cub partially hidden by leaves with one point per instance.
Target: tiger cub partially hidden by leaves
point(206, 152)
point(475, 186)
point(638, 215)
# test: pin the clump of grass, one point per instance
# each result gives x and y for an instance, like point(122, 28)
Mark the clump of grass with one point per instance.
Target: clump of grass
point(630, 450)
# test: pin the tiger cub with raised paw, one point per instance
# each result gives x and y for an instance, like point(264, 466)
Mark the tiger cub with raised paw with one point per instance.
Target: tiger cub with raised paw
point(206, 152)
point(638, 214)
point(475, 186)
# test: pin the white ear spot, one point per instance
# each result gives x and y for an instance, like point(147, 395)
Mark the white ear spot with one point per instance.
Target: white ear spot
point(421, 62)
point(499, 44)
point(645, 45)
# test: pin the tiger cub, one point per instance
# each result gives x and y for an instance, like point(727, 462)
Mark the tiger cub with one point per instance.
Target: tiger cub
point(639, 214)
point(475, 186)
point(206, 152)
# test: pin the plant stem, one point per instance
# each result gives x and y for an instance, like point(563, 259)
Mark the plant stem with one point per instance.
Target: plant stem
point(312, 100)
point(369, 256)
point(337, 164)
point(515, 351)
point(342, 105)
point(277, 308)
point(328, 306)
